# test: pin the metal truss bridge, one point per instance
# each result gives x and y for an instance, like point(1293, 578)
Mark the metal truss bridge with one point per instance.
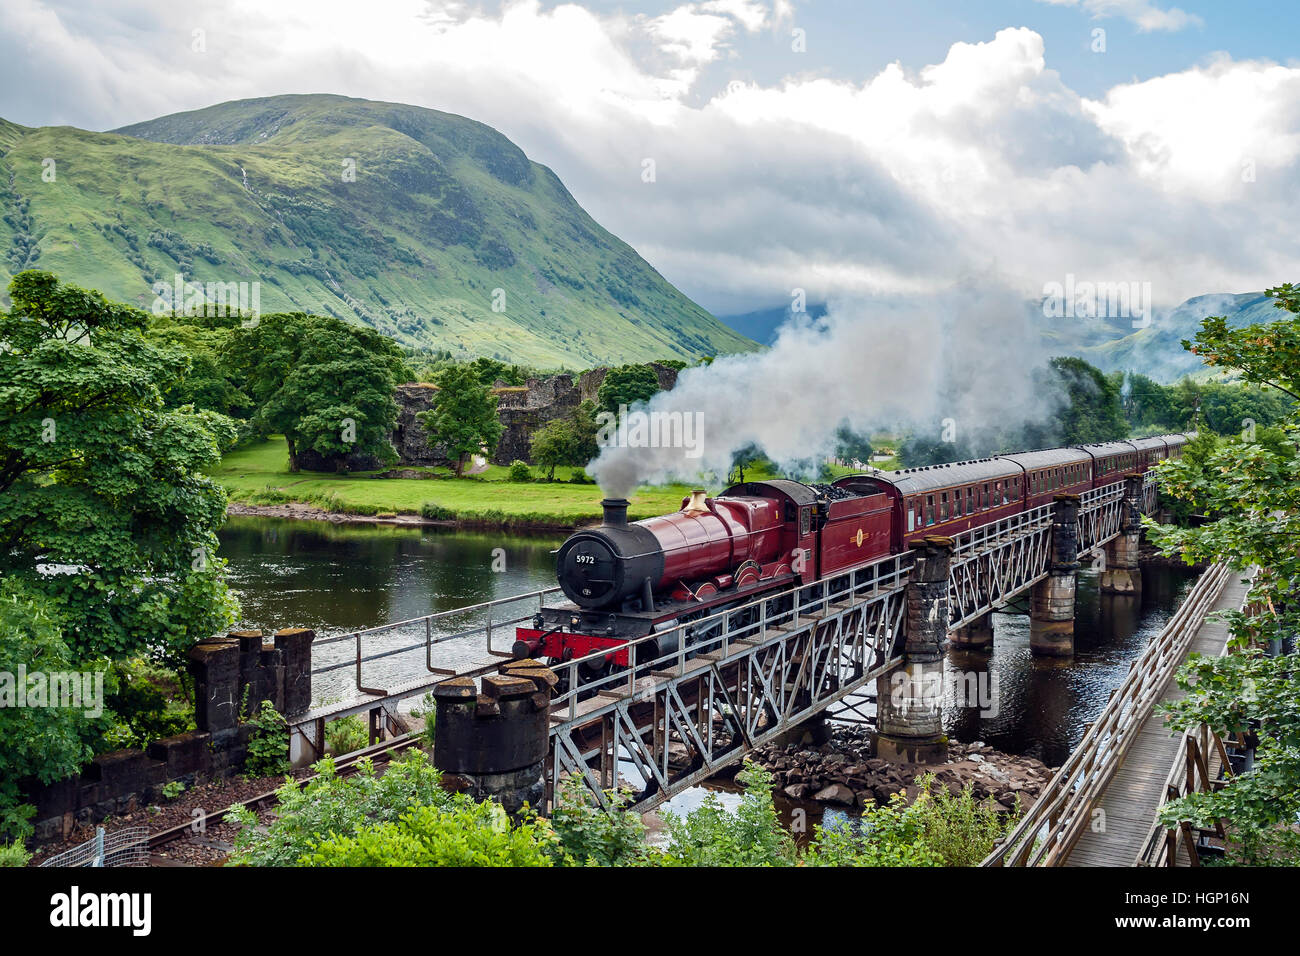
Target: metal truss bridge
point(739, 678)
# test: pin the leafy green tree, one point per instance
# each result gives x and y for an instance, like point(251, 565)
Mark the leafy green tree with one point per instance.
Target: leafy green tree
point(1148, 403)
point(1093, 413)
point(553, 445)
point(326, 385)
point(850, 445)
point(464, 416)
point(44, 743)
point(626, 385)
point(208, 384)
point(100, 484)
point(1253, 491)
point(566, 441)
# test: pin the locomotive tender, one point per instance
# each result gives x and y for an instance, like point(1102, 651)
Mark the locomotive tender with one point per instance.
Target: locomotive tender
point(631, 580)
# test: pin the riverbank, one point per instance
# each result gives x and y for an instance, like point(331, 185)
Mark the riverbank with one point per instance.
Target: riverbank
point(257, 479)
point(843, 773)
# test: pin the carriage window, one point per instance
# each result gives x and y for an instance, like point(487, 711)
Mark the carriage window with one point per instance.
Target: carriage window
point(929, 509)
point(971, 503)
point(1006, 498)
point(805, 520)
point(943, 506)
point(911, 515)
point(986, 496)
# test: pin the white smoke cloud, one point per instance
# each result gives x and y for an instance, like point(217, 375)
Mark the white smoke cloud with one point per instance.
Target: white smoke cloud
point(869, 364)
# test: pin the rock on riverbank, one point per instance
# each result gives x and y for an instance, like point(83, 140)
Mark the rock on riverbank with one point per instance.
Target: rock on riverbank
point(843, 773)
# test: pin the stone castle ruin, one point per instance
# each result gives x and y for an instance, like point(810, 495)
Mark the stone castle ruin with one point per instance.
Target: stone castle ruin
point(522, 409)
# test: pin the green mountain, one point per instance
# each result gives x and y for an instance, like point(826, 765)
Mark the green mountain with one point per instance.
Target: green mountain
point(404, 218)
point(1157, 350)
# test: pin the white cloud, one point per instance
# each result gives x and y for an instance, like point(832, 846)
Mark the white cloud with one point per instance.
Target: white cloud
point(985, 164)
point(1146, 16)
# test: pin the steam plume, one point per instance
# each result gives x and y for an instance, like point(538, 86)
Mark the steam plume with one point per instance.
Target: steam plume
point(869, 365)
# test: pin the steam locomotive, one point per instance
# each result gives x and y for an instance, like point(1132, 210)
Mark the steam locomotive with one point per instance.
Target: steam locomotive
point(628, 580)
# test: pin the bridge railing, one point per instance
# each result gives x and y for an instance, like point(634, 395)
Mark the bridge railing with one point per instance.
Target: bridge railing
point(754, 622)
point(1050, 828)
point(430, 630)
point(1201, 764)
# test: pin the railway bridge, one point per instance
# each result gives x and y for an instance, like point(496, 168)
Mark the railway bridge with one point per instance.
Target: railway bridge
point(747, 675)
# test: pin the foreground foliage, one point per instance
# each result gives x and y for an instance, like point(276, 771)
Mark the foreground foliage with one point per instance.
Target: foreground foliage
point(404, 818)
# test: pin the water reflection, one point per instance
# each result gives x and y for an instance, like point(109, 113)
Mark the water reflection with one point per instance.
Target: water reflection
point(1041, 706)
point(341, 578)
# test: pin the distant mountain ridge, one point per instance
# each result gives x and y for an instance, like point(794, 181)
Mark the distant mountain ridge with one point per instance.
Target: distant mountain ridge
point(428, 226)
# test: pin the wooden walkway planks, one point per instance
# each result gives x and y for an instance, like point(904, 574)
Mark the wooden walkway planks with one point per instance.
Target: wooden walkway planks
point(1130, 800)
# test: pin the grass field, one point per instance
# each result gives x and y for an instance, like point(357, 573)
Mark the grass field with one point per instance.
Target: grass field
point(258, 475)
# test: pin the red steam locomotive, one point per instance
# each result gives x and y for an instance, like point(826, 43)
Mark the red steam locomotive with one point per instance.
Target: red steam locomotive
point(631, 580)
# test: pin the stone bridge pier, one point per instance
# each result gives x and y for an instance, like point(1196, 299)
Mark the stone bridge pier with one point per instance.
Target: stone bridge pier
point(1051, 601)
point(909, 700)
point(1123, 574)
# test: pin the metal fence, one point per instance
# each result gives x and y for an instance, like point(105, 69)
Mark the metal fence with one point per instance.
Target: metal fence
point(128, 846)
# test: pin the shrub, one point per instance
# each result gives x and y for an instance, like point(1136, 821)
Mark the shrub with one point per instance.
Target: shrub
point(346, 734)
point(13, 854)
point(519, 471)
point(435, 512)
point(959, 830)
point(268, 744)
point(463, 833)
point(332, 805)
point(752, 836)
point(938, 829)
point(591, 835)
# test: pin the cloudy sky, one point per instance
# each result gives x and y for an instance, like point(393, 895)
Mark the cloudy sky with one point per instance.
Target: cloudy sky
point(846, 148)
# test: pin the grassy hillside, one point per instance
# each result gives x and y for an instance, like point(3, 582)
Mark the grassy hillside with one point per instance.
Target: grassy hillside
point(442, 211)
point(1156, 350)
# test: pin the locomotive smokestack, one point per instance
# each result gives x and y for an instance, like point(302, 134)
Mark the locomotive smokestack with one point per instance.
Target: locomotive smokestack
point(696, 504)
point(615, 511)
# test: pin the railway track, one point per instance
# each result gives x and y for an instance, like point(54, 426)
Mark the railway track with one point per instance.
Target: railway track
point(379, 753)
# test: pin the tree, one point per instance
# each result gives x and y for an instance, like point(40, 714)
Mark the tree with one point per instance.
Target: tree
point(850, 445)
point(104, 506)
point(1147, 403)
point(552, 445)
point(566, 441)
point(626, 385)
point(464, 416)
point(327, 386)
point(1094, 413)
point(1253, 490)
point(44, 743)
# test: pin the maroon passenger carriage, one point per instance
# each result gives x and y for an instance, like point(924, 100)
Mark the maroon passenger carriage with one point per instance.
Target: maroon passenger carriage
point(628, 580)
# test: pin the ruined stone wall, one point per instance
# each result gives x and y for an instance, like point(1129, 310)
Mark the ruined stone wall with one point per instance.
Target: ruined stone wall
point(126, 780)
point(522, 410)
